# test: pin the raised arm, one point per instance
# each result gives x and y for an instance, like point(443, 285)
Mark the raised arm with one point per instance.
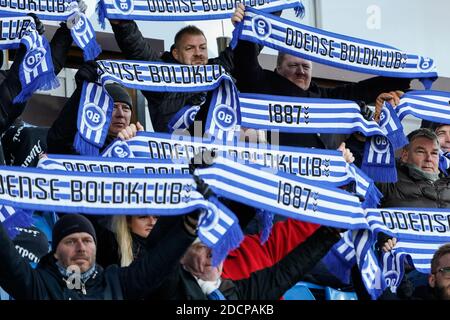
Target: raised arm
point(131, 42)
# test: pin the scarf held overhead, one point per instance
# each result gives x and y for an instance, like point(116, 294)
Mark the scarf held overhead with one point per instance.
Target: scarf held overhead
point(331, 48)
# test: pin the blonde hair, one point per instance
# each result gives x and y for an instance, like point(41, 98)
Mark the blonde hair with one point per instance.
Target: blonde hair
point(124, 240)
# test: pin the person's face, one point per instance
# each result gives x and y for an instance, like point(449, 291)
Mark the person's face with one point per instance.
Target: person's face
point(77, 249)
point(142, 225)
point(296, 70)
point(440, 279)
point(424, 153)
point(192, 50)
point(120, 119)
point(197, 260)
point(443, 133)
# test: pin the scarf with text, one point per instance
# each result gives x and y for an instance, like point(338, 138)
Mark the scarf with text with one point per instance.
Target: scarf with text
point(331, 48)
point(12, 29)
point(94, 117)
point(306, 115)
point(311, 164)
point(419, 232)
point(62, 10)
point(158, 10)
point(284, 194)
point(99, 193)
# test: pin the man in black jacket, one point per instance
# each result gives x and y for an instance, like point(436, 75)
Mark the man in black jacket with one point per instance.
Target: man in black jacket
point(193, 282)
point(292, 77)
point(69, 272)
point(190, 47)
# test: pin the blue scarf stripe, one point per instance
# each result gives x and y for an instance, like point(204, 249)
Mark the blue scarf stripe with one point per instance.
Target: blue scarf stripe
point(339, 175)
point(6, 212)
point(272, 32)
point(186, 11)
point(433, 107)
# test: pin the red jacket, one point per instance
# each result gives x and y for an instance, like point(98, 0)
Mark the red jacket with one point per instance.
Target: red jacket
point(251, 256)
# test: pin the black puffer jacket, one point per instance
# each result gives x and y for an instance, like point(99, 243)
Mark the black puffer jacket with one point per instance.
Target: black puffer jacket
point(162, 105)
point(415, 192)
point(252, 78)
point(266, 284)
point(114, 283)
point(10, 85)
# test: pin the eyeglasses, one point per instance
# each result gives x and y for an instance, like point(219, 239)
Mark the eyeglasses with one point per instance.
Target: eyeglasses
point(445, 272)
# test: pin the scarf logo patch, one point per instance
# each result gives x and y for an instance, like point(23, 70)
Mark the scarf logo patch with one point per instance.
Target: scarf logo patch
point(380, 144)
point(80, 27)
point(94, 116)
point(125, 6)
point(210, 220)
point(392, 278)
point(425, 63)
point(121, 150)
point(189, 116)
point(33, 59)
point(225, 117)
point(385, 117)
point(261, 27)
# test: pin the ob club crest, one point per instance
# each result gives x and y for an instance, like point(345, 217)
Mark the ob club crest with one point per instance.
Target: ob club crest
point(225, 117)
point(93, 116)
point(380, 144)
point(124, 6)
point(33, 59)
point(261, 27)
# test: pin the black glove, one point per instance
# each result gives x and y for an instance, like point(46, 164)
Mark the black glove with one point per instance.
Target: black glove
point(87, 72)
point(40, 28)
point(365, 110)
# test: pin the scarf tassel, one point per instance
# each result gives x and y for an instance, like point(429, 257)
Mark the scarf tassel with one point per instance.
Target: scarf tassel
point(229, 241)
point(380, 173)
point(300, 10)
point(46, 81)
point(265, 219)
point(101, 11)
point(372, 198)
point(83, 147)
point(22, 218)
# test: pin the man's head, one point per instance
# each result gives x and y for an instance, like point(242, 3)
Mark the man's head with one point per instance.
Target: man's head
point(422, 150)
point(296, 70)
point(443, 133)
point(439, 279)
point(197, 260)
point(121, 116)
point(190, 46)
point(74, 242)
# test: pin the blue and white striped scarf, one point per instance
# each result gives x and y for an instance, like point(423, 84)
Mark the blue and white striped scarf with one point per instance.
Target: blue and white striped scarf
point(56, 10)
point(331, 48)
point(65, 10)
point(378, 160)
point(311, 164)
point(183, 11)
point(218, 226)
point(284, 194)
point(444, 162)
point(94, 117)
point(183, 118)
point(224, 116)
point(36, 71)
point(93, 193)
point(83, 34)
point(12, 30)
point(162, 77)
point(306, 115)
point(427, 105)
point(419, 232)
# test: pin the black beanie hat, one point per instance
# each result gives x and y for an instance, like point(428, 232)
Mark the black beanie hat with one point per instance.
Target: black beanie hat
point(119, 94)
point(68, 224)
